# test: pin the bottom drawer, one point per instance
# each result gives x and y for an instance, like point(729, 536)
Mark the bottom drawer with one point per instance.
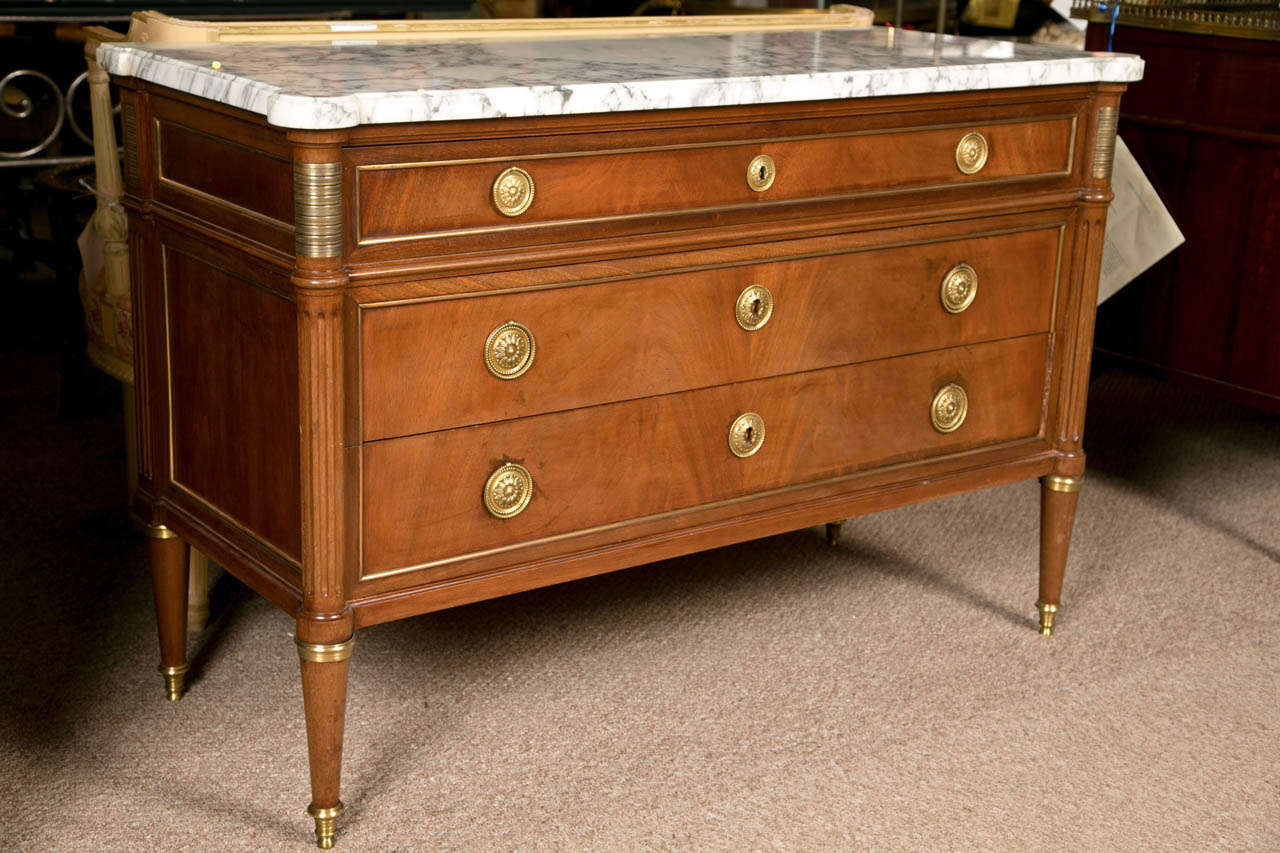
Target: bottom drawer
point(424, 495)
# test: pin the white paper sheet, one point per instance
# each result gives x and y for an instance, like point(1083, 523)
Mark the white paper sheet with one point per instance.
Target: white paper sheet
point(1140, 230)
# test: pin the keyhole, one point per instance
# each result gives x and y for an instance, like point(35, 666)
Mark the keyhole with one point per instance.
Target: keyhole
point(763, 172)
point(750, 435)
point(755, 307)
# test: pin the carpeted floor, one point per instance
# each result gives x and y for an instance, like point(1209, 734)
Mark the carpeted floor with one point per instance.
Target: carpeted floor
point(888, 693)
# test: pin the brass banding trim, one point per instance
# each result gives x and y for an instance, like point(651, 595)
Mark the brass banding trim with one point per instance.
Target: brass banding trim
point(1058, 483)
point(324, 652)
point(317, 209)
point(1104, 142)
point(159, 531)
point(726, 265)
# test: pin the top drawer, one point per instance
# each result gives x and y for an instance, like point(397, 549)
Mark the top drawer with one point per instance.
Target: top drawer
point(510, 193)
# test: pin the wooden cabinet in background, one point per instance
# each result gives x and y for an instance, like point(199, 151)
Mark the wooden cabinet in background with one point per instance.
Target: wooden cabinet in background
point(1205, 126)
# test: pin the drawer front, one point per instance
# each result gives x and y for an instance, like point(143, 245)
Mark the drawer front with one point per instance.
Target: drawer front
point(423, 496)
point(423, 365)
point(520, 195)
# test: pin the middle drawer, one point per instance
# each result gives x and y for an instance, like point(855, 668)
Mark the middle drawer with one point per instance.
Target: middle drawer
point(441, 364)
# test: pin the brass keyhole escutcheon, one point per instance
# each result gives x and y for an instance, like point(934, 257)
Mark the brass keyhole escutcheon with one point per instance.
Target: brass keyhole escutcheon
point(509, 350)
point(949, 408)
point(508, 491)
point(746, 435)
point(761, 172)
point(513, 191)
point(959, 287)
point(971, 153)
point(754, 307)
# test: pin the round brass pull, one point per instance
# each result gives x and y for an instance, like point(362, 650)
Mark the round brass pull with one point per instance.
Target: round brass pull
point(971, 153)
point(509, 350)
point(746, 435)
point(508, 491)
point(754, 307)
point(959, 287)
point(950, 405)
point(761, 172)
point(513, 191)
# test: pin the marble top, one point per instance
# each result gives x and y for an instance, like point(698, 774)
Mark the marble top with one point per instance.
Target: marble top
point(321, 86)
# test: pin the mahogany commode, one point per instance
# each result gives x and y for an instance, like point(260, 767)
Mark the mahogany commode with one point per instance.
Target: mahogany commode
point(389, 368)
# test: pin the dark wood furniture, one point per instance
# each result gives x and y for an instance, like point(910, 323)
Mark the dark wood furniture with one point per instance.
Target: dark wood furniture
point(1205, 126)
point(711, 325)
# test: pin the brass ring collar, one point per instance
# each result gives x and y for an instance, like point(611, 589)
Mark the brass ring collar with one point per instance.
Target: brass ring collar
point(1058, 483)
point(324, 652)
point(159, 531)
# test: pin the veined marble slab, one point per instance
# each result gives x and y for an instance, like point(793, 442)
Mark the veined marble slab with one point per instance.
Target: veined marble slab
point(318, 86)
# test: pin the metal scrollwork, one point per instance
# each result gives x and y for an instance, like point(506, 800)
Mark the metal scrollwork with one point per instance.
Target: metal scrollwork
point(19, 99)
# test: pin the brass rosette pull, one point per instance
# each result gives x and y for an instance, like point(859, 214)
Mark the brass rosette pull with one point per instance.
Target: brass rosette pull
point(949, 408)
point(959, 287)
point(746, 435)
point(971, 153)
point(509, 350)
point(513, 191)
point(508, 491)
point(761, 172)
point(754, 307)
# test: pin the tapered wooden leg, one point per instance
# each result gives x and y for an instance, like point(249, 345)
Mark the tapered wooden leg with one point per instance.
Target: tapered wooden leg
point(833, 531)
point(198, 592)
point(324, 695)
point(169, 582)
point(1058, 497)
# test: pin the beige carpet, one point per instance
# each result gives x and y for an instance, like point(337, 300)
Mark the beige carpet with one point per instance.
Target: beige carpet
point(888, 693)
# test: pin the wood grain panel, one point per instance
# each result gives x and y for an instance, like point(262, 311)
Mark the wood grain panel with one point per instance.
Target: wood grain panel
point(216, 172)
point(232, 358)
point(422, 367)
point(251, 181)
point(602, 465)
point(398, 202)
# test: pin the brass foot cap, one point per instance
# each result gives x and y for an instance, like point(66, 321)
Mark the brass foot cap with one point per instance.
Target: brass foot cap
point(1047, 614)
point(326, 824)
point(174, 681)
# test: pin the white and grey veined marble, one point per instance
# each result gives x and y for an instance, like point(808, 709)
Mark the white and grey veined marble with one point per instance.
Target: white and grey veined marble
point(317, 86)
